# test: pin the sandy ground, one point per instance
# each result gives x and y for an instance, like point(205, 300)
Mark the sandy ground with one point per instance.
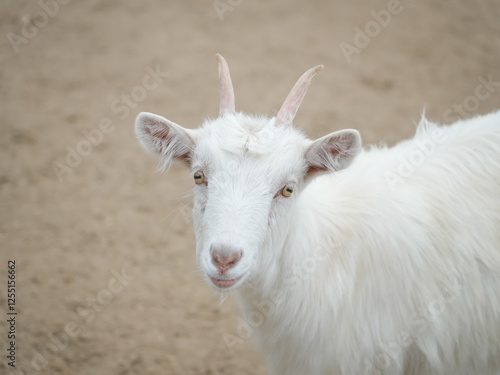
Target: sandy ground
point(106, 280)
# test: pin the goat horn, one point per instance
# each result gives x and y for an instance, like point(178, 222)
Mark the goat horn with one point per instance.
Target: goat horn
point(292, 102)
point(225, 88)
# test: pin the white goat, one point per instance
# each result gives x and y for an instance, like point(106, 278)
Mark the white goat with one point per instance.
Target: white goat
point(345, 261)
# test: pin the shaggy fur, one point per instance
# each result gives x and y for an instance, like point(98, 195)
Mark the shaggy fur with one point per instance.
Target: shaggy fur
point(385, 262)
point(390, 281)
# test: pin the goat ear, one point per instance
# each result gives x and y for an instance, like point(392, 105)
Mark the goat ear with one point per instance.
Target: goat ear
point(161, 136)
point(333, 152)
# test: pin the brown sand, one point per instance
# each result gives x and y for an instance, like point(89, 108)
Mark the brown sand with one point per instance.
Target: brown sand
point(72, 235)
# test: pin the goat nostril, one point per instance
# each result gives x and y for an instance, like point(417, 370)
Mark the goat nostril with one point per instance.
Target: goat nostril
point(225, 262)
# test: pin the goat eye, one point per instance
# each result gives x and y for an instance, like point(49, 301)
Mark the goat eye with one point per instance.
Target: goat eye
point(199, 177)
point(287, 191)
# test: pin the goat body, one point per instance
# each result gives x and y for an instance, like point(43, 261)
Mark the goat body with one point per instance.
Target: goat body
point(382, 261)
point(391, 266)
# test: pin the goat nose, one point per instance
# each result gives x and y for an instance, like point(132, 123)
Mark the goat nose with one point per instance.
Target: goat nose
point(225, 261)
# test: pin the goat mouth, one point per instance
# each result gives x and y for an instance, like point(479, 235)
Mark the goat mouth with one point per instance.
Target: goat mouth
point(222, 283)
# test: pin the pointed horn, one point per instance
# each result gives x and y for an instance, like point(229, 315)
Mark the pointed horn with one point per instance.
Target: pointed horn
point(225, 88)
point(292, 102)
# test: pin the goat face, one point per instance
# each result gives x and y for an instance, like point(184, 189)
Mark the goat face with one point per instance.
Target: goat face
point(247, 174)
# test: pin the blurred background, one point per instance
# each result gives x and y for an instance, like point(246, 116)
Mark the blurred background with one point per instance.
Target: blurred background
point(106, 279)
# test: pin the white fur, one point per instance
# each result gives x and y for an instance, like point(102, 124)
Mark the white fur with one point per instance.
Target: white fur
point(389, 266)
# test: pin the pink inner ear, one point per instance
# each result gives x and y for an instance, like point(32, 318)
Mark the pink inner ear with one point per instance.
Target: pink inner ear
point(318, 154)
point(333, 152)
point(321, 162)
point(158, 131)
point(312, 170)
point(161, 132)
